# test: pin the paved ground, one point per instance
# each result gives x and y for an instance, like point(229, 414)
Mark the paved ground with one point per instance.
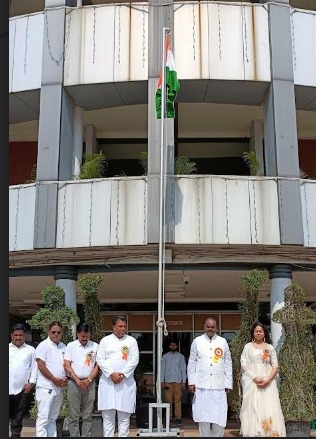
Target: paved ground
point(189, 429)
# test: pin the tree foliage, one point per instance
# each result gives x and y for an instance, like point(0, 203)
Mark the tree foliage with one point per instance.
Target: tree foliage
point(249, 309)
point(54, 309)
point(297, 356)
point(89, 284)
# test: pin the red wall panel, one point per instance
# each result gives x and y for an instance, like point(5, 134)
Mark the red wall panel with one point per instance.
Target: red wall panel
point(307, 156)
point(22, 157)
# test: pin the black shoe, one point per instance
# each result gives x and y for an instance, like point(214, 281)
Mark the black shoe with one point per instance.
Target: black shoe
point(178, 421)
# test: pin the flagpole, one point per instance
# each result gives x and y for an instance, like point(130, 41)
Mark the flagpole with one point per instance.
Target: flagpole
point(161, 226)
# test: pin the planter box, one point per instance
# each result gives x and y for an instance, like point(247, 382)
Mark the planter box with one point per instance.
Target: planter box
point(297, 428)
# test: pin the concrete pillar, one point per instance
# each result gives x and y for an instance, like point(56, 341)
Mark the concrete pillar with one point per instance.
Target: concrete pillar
point(281, 277)
point(78, 140)
point(256, 142)
point(66, 278)
point(280, 137)
point(90, 139)
point(56, 125)
point(160, 15)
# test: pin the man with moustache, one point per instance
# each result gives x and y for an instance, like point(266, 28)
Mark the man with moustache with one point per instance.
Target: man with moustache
point(117, 357)
point(22, 377)
point(82, 369)
point(210, 379)
point(51, 381)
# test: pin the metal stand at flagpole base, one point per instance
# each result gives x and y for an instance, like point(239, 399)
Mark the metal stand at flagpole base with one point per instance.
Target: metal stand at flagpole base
point(160, 431)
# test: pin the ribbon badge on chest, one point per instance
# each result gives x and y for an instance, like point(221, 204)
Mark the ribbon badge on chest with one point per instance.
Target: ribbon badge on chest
point(124, 352)
point(88, 359)
point(218, 353)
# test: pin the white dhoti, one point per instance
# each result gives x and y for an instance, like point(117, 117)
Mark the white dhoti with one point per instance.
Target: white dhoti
point(210, 407)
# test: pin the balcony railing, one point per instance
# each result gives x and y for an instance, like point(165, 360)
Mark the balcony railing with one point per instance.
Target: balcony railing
point(208, 210)
point(109, 43)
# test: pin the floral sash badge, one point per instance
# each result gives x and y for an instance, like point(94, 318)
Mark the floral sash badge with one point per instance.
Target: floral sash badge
point(218, 353)
point(266, 355)
point(124, 352)
point(89, 357)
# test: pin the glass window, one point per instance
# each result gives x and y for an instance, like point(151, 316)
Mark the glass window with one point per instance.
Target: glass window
point(228, 335)
point(144, 340)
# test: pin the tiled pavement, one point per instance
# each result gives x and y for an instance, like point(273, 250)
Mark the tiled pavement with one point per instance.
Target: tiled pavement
point(188, 429)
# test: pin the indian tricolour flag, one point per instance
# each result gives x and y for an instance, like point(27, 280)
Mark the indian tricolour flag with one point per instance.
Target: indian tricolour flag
point(172, 84)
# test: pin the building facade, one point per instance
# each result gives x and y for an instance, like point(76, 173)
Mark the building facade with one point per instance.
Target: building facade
point(82, 79)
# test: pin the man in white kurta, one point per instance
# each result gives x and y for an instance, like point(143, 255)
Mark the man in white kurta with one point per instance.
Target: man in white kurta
point(209, 379)
point(117, 357)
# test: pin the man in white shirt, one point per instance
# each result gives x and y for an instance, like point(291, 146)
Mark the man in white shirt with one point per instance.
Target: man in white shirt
point(173, 378)
point(22, 377)
point(117, 357)
point(210, 379)
point(82, 369)
point(51, 381)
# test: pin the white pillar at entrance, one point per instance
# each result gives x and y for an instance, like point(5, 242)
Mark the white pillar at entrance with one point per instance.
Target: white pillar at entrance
point(281, 277)
point(78, 140)
point(66, 278)
point(69, 286)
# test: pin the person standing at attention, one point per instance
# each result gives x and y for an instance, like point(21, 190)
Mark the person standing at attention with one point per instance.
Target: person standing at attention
point(261, 413)
point(82, 369)
point(210, 378)
point(173, 378)
point(117, 357)
point(22, 377)
point(51, 381)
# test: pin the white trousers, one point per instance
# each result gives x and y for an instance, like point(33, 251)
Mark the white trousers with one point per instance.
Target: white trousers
point(205, 430)
point(48, 405)
point(123, 420)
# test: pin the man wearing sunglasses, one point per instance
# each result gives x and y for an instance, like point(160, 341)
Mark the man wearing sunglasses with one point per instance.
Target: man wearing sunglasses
point(51, 381)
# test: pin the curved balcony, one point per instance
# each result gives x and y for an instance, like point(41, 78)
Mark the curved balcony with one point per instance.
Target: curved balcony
point(216, 46)
point(113, 211)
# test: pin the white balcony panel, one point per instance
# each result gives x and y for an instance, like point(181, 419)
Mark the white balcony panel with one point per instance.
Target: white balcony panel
point(187, 40)
point(220, 41)
point(128, 212)
point(217, 210)
point(106, 43)
point(263, 196)
point(231, 218)
point(261, 44)
point(84, 214)
point(11, 51)
point(21, 217)
point(122, 51)
point(139, 44)
point(97, 53)
point(74, 30)
point(187, 210)
point(308, 194)
point(27, 56)
point(304, 47)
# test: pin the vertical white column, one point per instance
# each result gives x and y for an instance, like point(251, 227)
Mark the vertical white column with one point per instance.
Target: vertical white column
point(78, 140)
point(281, 277)
point(66, 278)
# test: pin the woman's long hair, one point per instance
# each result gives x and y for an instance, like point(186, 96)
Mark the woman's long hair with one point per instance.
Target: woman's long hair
point(265, 330)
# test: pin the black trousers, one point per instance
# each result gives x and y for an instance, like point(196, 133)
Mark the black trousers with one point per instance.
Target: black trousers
point(18, 405)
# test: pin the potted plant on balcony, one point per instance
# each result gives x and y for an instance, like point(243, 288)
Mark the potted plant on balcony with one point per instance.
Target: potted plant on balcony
point(182, 165)
point(54, 309)
point(297, 362)
point(95, 166)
